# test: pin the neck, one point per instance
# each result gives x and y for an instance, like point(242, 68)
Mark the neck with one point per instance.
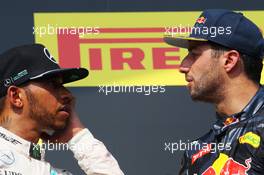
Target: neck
point(236, 98)
point(26, 129)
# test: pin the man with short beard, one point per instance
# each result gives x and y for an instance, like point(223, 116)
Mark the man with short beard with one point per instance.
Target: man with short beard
point(35, 106)
point(225, 69)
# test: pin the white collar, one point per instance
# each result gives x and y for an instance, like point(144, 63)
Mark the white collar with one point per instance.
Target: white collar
point(20, 144)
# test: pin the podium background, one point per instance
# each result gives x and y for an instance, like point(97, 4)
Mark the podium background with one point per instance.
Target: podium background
point(134, 127)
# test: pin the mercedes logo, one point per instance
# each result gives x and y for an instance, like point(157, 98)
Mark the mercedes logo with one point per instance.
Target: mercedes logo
point(7, 82)
point(49, 56)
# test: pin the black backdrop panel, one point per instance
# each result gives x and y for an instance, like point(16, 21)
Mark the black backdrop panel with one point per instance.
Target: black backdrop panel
point(134, 127)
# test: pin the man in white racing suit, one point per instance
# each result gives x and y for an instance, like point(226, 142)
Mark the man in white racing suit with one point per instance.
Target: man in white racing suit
point(35, 106)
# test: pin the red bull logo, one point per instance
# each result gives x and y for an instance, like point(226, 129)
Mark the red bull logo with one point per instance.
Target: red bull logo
point(225, 165)
point(230, 120)
point(201, 20)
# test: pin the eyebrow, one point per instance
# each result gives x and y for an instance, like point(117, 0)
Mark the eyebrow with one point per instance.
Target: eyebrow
point(193, 47)
point(196, 47)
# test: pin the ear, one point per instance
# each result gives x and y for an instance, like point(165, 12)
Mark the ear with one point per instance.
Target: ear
point(231, 59)
point(15, 96)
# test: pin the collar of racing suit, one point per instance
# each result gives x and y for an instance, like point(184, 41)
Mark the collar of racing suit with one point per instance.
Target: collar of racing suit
point(21, 145)
point(249, 110)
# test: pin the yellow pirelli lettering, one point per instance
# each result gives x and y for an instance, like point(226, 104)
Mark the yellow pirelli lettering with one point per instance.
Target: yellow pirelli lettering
point(120, 48)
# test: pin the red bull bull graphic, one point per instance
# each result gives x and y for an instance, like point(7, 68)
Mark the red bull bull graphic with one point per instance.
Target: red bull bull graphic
point(225, 165)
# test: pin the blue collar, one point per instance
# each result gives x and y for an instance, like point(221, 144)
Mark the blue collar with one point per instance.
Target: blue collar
point(255, 104)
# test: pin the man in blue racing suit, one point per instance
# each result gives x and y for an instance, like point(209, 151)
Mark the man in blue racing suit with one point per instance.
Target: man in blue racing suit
point(223, 67)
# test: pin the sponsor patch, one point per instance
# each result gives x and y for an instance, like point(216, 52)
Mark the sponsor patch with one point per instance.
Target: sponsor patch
point(251, 139)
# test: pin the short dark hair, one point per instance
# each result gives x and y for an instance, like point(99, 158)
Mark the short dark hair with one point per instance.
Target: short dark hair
point(252, 66)
point(2, 104)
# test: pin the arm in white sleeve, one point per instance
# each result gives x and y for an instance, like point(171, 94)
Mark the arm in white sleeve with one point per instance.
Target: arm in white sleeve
point(92, 155)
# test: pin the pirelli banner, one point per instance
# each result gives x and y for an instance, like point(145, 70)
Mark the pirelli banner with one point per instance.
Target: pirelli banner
point(120, 48)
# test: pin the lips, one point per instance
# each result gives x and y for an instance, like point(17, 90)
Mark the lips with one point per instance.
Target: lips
point(65, 108)
point(188, 78)
point(64, 111)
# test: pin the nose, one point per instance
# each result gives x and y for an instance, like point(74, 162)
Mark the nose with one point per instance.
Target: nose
point(66, 96)
point(185, 65)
